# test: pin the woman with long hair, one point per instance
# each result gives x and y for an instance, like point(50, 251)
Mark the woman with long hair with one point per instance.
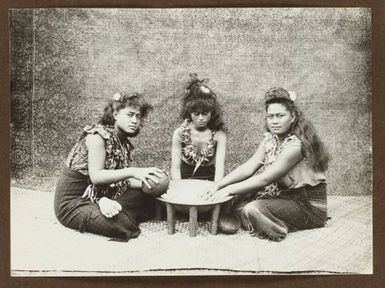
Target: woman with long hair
point(283, 184)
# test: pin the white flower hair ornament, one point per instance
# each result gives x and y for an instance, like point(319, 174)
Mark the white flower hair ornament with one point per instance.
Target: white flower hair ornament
point(292, 95)
point(117, 97)
point(204, 89)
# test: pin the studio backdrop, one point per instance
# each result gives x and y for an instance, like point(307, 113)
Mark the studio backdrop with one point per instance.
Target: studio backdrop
point(66, 64)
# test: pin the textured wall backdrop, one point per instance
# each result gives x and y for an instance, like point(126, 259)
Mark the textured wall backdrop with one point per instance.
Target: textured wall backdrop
point(67, 62)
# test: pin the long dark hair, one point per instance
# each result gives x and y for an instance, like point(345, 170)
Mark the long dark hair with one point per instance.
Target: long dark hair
point(199, 97)
point(312, 147)
point(122, 101)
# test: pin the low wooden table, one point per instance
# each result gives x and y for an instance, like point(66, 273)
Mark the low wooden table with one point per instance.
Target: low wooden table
point(192, 206)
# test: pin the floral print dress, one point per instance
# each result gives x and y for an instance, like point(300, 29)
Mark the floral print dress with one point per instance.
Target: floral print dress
point(118, 156)
point(278, 210)
point(273, 148)
point(76, 197)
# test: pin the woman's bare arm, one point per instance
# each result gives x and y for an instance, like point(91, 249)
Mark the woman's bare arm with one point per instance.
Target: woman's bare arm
point(245, 170)
point(220, 155)
point(99, 175)
point(286, 160)
point(176, 152)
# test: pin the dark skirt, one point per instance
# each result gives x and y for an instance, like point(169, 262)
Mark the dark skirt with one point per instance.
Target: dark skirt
point(81, 214)
point(292, 210)
point(202, 173)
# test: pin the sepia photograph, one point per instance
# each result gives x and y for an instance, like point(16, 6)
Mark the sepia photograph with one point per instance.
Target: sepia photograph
point(190, 141)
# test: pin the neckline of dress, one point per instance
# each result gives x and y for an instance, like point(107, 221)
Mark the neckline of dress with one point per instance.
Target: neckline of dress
point(187, 126)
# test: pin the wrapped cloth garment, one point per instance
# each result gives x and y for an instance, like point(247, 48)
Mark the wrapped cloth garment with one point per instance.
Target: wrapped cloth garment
point(273, 217)
point(83, 215)
point(76, 197)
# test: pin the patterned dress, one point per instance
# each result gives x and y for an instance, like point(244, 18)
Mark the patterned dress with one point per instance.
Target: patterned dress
point(76, 196)
point(296, 201)
point(118, 156)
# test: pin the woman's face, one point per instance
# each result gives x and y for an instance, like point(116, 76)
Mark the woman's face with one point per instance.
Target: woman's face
point(200, 119)
point(279, 119)
point(128, 120)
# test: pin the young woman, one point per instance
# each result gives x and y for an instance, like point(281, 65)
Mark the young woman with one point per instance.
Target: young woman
point(199, 143)
point(289, 166)
point(98, 191)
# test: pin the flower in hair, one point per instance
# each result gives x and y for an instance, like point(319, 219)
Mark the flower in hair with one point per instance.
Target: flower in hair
point(204, 89)
point(292, 95)
point(117, 97)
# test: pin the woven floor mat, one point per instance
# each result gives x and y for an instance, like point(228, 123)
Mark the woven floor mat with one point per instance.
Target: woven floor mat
point(40, 246)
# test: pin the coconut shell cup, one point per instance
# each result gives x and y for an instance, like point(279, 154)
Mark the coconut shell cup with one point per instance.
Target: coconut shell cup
point(159, 188)
point(229, 223)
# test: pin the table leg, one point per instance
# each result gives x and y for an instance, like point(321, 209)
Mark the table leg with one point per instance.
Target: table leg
point(193, 214)
point(215, 219)
point(170, 218)
point(158, 210)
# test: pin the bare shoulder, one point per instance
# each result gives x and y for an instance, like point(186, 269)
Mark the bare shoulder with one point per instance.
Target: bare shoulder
point(94, 140)
point(177, 132)
point(292, 152)
point(220, 135)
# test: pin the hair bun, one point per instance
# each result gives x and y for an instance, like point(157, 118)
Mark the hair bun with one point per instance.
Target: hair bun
point(278, 93)
point(194, 80)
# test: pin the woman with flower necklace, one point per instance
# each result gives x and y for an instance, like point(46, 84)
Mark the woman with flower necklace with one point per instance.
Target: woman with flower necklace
point(282, 186)
point(98, 191)
point(199, 143)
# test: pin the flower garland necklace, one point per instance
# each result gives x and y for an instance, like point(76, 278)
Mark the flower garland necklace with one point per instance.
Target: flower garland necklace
point(194, 152)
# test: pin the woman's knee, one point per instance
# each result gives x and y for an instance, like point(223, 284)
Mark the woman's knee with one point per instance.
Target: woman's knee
point(121, 225)
point(251, 214)
point(255, 207)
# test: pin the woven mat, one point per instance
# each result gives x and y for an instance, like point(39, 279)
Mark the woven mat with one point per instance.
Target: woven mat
point(40, 246)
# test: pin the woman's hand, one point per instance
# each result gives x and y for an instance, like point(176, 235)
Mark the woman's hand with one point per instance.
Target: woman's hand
point(219, 194)
point(152, 173)
point(206, 195)
point(214, 193)
point(108, 207)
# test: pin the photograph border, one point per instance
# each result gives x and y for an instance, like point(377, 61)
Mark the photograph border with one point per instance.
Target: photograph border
point(378, 133)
